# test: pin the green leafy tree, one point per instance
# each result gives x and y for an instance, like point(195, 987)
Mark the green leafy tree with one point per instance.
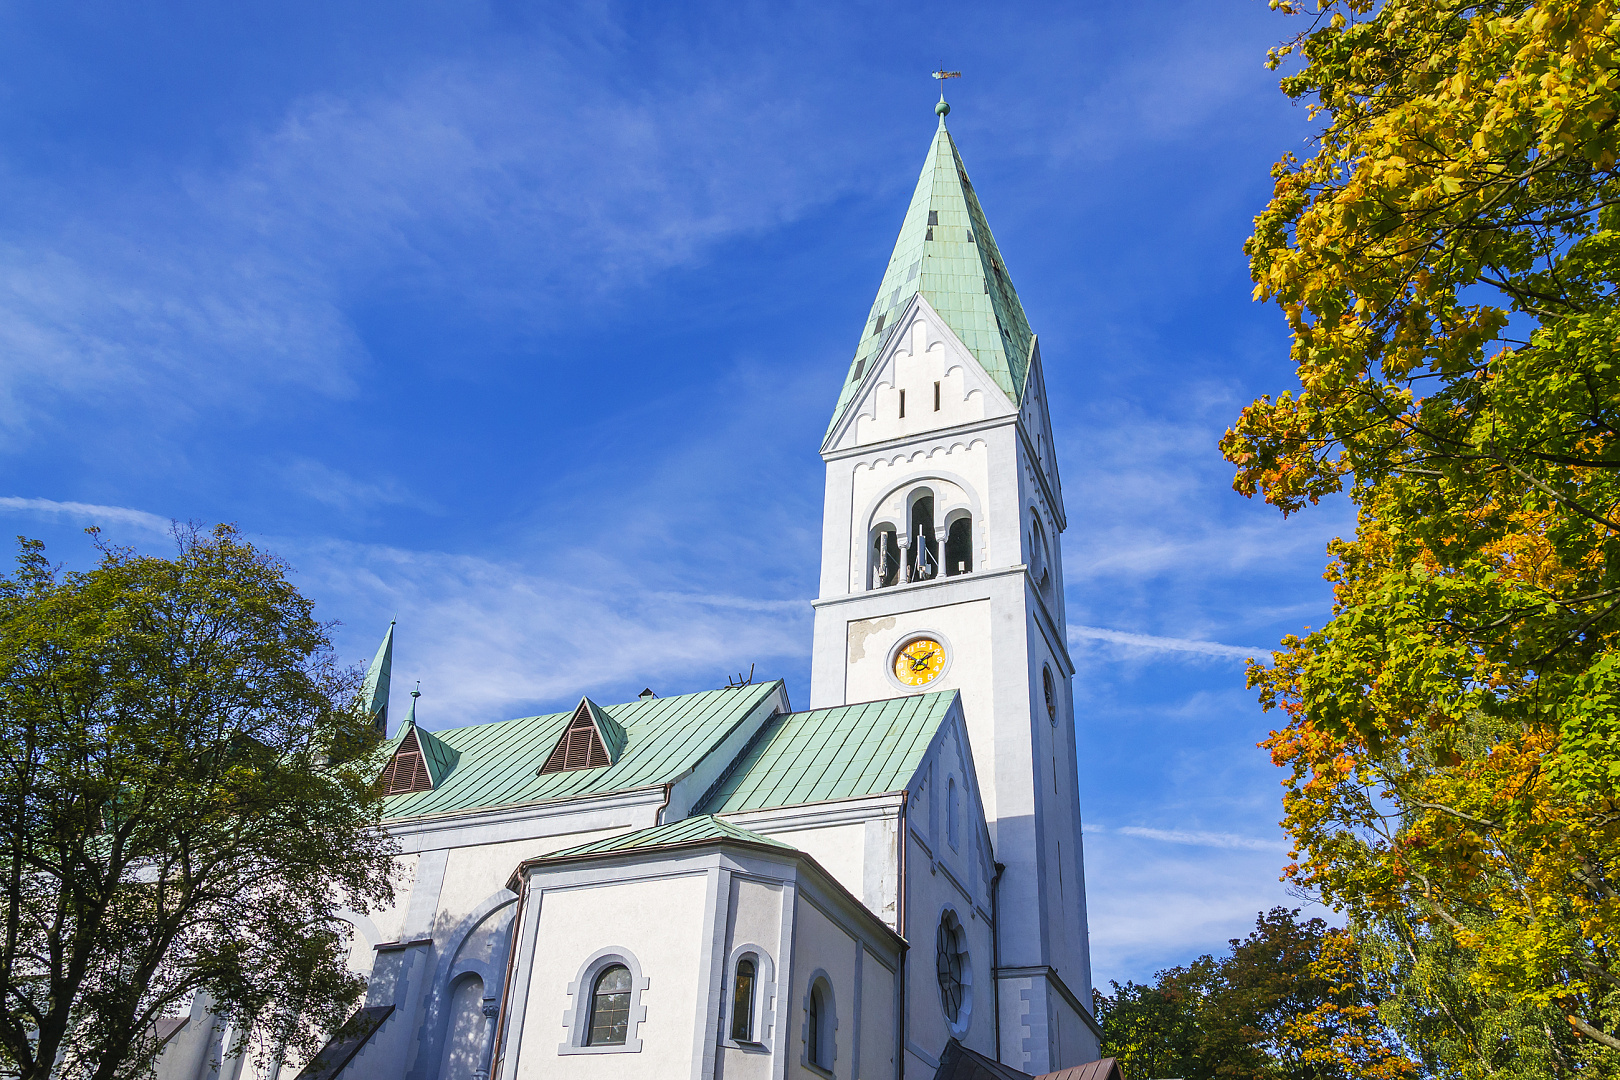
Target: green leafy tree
point(1431, 1001)
point(1288, 1002)
point(1447, 259)
point(176, 812)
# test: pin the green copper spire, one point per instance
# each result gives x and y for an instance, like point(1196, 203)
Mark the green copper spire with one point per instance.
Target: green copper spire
point(946, 253)
point(374, 696)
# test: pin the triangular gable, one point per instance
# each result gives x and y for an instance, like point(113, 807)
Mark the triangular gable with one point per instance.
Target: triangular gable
point(407, 770)
point(420, 763)
point(918, 329)
point(591, 740)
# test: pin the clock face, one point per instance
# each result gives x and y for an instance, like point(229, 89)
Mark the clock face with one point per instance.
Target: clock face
point(920, 662)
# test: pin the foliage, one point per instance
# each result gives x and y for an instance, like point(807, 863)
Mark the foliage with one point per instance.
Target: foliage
point(171, 818)
point(1447, 262)
point(1289, 1002)
point(1430, 1000)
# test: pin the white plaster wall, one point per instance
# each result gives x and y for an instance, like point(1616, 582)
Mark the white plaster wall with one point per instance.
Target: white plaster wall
point(920, 356)
point(661, 922)
point(755, 919)
point(463, 1049)
point(472, 874)
point(819, 943)
point(388, 920)
point(930, 892)
point(840, 849)
point(877, 1019)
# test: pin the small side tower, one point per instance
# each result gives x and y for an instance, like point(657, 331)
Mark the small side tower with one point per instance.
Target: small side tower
point(941, 570)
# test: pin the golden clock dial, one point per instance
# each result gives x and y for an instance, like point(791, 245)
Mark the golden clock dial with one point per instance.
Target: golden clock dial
point(920, 662)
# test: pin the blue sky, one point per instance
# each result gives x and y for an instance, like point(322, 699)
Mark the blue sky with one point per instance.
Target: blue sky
point(523, 322)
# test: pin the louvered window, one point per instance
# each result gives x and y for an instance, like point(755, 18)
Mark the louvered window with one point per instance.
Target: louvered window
point(579, 748)
point(407, 772)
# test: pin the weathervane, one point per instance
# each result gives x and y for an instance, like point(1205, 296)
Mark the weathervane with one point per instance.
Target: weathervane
point(942, 75)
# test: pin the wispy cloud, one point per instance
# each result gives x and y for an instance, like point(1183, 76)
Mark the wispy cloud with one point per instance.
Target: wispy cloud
point(337, 488)
point(491, 638)
point(89, 513)
point(525, 178)
point(1233, 841)
point(1155, 903)
point(1151, 643)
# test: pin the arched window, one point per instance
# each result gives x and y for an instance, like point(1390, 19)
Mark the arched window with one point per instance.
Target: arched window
point(885, 557)
point(1040, 557)
point(610, 1007)
point(953, 815)
point(959, 547)
point(922, 558)
point(949, 962)
point(1051, 694)
point(818, 1039)
point(742, 1000)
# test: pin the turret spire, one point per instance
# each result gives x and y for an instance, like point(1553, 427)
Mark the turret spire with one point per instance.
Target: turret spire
point(374, 694)
point(946, 253)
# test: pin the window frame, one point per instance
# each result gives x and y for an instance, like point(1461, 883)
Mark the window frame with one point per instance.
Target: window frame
point(577, 1017)
point(826, 1026)
point(764, 999)
point(964, 1009)
point(597, 994)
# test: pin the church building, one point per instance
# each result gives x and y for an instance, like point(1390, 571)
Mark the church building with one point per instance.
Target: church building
point(886, 883)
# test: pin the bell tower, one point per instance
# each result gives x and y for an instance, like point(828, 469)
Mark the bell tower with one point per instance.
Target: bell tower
point(940, 570)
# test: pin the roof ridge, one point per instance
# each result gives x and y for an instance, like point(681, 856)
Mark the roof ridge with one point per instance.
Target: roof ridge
point(695, 828)
point(775, 720)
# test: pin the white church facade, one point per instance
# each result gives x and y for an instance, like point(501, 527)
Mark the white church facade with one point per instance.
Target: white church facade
point(888, 883)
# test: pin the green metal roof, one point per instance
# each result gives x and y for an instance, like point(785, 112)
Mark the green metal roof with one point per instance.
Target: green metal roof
point(497, 764)
point(956, 265)
point(838, 753)
point(441, 760)
point(374, 695)
point(690, 830)
point(612, 732)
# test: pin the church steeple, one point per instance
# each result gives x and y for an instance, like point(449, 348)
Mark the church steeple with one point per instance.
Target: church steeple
point(942, 570)
point(374, 695)
point(945, 252)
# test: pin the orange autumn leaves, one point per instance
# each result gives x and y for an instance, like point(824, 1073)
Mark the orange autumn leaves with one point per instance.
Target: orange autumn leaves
point(1447, 263)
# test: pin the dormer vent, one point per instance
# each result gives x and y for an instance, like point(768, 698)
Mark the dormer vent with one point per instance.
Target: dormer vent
point(407, 771)
point(591, 740)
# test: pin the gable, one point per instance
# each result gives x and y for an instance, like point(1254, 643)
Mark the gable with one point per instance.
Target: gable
point(922, 379)
point(591, 740)
point(407, 770)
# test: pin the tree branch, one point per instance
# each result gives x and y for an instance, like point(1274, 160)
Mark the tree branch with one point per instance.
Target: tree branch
point(1593, 1033)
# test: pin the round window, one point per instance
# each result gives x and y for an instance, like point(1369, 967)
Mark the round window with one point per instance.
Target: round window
point(950, 959)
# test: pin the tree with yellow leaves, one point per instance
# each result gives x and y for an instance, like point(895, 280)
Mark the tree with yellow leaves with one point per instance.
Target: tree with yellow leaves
point(1447, 261)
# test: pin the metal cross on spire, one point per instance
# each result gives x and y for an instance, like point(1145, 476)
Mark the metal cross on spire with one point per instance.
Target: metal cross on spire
point(942, 75)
